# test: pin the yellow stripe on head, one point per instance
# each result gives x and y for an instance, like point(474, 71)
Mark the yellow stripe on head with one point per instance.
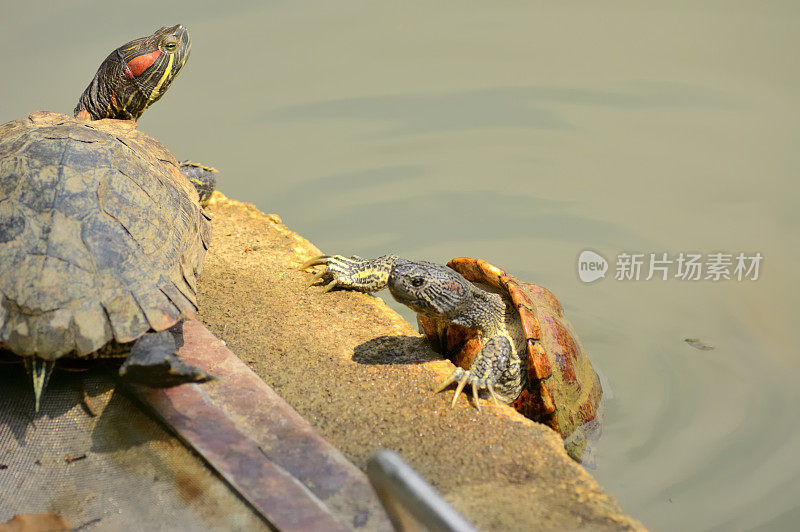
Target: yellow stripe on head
point(167, 71)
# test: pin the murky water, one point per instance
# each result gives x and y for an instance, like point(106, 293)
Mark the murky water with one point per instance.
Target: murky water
point(523, 134)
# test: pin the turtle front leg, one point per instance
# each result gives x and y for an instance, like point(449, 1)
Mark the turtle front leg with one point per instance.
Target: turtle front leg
point(496, 368)
point(153, 362)
point(352, 273)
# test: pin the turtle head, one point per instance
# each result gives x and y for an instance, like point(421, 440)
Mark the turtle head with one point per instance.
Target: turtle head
point(135, 75)
point(430, 289)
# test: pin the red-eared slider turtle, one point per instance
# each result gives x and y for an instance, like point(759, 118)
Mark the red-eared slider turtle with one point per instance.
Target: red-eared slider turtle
point(505, 336)
point(101, 235)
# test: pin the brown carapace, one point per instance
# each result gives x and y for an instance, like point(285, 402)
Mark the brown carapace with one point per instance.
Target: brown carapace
point(101, 234)
point(563, 391)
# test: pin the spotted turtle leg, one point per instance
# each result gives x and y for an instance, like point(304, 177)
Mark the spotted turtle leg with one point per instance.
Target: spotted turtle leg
point(153, 361)
point(495, 368)
point(352, 273)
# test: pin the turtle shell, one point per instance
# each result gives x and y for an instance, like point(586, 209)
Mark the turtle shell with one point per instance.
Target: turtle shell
point(563, 390)
point(101, 236)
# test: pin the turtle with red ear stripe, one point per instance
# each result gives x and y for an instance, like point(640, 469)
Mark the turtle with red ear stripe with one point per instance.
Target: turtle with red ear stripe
point(135, 75)
point(102, 235)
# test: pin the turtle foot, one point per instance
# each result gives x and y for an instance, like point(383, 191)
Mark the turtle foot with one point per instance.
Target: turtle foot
point(327, 273)
point(153, 362)
point(462, 377)
point(352, 273)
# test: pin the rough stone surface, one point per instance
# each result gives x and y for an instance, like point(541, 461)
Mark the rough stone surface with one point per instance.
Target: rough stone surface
point(363, 377)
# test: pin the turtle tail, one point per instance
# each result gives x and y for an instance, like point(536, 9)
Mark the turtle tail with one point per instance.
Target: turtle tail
point(40, 370)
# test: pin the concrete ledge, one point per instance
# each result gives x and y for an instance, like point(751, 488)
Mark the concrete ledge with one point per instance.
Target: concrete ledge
point(363, 377)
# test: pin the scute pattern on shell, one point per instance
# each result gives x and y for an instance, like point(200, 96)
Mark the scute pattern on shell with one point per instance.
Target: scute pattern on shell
point(563, 389)
point(101, 236)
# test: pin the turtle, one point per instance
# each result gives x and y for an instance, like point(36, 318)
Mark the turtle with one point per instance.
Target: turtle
point(505, 336)
point(102, 236)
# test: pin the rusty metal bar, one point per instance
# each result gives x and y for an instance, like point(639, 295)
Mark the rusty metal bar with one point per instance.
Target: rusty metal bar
point(261, 446)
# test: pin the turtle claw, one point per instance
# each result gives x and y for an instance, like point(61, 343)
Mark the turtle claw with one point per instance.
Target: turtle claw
point(330, 286)
point(461, 383)
point(475, 395)
point(319, 260)
point(317, 277)
point(492, 394)
point(450, 380)
point(463, 378)
point(315, 261)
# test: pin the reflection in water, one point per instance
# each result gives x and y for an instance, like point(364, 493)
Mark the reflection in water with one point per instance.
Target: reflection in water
point(452, 216)
point(497, 107)
point(524, 134)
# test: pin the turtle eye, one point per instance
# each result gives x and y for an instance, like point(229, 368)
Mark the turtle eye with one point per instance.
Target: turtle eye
point(170, 46)
point(417, 281)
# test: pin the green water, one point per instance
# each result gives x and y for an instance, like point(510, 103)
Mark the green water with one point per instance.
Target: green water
point(522, 133)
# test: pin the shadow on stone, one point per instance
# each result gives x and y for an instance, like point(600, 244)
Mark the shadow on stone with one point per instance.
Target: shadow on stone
point(395, 350)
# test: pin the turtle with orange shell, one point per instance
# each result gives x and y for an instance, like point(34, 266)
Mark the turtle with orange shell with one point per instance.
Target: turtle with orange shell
point(505, 336)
